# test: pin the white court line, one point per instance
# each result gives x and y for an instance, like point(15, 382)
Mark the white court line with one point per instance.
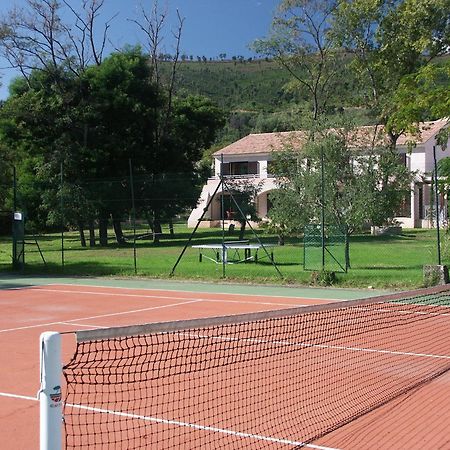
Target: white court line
point(180, 424)
point(305, 345)
point(74, 324)
point(99, 316)
point(165, 297)
point(363, 308)
point(21, 397)
point(319, 299)
point(406, 312)
point(188, 292)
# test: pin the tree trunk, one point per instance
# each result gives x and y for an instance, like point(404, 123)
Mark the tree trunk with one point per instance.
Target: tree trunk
point(171, 231)
point(157, 231)
point(81, 232)
point(103, 231)
point(120, 239)
point(91, 234)
point(242, 231)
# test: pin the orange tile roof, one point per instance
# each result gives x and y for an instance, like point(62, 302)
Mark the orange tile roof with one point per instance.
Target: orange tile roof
point(263, 143)
point(269, 142)
point(427, 131)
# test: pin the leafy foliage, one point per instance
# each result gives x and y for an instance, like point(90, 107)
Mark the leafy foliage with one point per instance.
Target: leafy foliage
point(360, 185)
point(391, 40)
point(422, 94)
point(93, 125)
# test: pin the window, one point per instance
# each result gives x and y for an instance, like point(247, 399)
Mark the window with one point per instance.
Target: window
point(421, 205)
point(253, 168)
point(270, 167)
point(402, 159)
point(405, 206)
point(229, 209)
point(225, 168)
point(240, 168)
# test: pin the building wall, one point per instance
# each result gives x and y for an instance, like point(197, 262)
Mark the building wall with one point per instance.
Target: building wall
point(261, 159)
point(213, 215)
point(418, 159)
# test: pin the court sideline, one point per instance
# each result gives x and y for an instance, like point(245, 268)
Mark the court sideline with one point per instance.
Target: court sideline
point(30, 307)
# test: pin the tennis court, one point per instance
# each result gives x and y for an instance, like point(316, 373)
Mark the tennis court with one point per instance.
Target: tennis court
point(374, 413)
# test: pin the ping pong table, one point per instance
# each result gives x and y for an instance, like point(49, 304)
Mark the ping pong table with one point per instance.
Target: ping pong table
point(233, 252)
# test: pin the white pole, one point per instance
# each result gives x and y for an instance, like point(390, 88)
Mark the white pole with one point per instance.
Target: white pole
point(50, 392)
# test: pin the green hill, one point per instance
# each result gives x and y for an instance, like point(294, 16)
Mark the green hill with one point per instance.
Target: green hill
point(234, 85)
point(255, 95)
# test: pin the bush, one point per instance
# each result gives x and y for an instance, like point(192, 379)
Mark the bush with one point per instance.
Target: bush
point(323, 278)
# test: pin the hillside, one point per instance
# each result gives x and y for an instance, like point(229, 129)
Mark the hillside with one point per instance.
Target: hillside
point(244, 86)
point(259, 86)
point(255, 96)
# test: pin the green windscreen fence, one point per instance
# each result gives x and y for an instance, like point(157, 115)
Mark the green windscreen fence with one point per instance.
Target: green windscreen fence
point(326, 248)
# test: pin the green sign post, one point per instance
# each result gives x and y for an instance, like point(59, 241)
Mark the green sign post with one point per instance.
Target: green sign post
point(18, 232)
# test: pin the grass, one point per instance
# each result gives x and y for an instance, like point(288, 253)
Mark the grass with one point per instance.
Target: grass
point(377, 261)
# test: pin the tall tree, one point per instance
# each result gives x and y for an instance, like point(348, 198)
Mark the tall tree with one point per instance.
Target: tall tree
point(299, 42)
point(153, 23)
point(391, 40)
point(124, 105)
point(116, 105)
point(36, 37)
point(422, 95)
point(53, 113)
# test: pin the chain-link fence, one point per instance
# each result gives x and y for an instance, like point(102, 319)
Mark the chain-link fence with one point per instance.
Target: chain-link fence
point(326, 248)
point(144, 224)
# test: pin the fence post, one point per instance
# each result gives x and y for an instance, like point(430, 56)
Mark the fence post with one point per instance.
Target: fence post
point(133, 206)
point(62, 212)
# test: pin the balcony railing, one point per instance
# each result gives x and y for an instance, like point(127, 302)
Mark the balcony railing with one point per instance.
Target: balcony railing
point(242, 176)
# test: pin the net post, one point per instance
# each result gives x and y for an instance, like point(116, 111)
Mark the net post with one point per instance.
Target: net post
point(50, 392)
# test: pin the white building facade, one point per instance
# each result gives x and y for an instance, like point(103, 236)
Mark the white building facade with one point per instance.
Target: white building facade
point(249, 158)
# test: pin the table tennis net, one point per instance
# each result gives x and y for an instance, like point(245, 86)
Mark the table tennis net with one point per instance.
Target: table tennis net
point(266, 380)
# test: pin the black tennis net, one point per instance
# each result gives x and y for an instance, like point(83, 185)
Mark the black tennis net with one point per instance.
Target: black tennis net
point(277, 379)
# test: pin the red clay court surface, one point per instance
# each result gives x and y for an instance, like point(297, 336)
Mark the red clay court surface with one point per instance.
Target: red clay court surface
point(418, 420)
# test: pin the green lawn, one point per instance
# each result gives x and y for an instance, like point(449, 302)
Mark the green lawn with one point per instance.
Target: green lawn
point(380, 262)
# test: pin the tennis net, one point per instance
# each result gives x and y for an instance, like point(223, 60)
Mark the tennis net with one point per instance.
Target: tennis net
point(278, 379)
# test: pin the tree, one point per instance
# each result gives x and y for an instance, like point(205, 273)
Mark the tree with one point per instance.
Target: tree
point(299, 43)
point(6, 169)
point(391, 40)
point(124, 113)
point(51, 55)
point(194, 125)
point(422, 95)
point(37, 38)
point(177, 182)
point(240, 203)
point(95, 123)
point(92, 124)
point(363, 184)
point(41, 128)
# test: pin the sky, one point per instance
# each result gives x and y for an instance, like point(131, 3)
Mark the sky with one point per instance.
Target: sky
point(211, 27)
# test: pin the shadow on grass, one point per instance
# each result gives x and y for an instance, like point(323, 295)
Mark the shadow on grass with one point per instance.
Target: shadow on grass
point(369, 239)
point(403, 267)
point(81, 268)
point(166, 243)
point(277, 263)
